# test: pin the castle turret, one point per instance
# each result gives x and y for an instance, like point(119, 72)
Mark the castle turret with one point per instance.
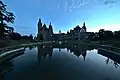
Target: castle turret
point(39, 26)
point(39, 29)
point(50, 29)
point(84, 27)
point(44, 33)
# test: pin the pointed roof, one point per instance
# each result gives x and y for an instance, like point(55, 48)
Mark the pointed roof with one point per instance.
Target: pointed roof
point(77, 28)
point(84, 26)
point(39, 20)
point(50, 26)
point(44, 26)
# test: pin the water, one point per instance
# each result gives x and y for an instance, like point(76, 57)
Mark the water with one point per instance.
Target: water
point(73, 63)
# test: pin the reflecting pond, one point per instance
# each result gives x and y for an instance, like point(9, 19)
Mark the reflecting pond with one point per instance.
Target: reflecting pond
point(61, 62)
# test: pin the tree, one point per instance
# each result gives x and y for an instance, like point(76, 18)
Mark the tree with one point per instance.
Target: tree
point(108, 35)
point(31, 37)
point(117, 35)
point(92, 36)
point(10, 17)
point(25, 37)
point(2, 11)
point(15, 36)
point(8, 30)
point(2, 30)
point(105, 35)
point(101, 34)
point(5, 16)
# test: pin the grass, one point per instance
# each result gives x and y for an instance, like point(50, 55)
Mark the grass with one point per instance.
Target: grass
point(12, 44)
point(114, 43)
point(7, 43)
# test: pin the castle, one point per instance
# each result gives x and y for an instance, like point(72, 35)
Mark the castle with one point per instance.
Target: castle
point(46, 34)
point(79, 33)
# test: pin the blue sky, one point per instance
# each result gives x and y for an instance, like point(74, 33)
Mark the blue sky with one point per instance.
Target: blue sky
point(65, 14)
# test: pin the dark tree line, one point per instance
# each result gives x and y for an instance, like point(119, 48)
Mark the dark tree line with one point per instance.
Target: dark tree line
point(17, 36)
point(30, 37)
point(104, 35)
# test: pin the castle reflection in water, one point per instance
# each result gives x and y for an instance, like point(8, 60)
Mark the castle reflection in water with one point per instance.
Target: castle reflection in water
point(77, 50)
point(43, 52)
point(47, 50)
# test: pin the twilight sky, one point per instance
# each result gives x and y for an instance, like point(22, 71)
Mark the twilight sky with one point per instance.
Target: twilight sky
point(65, 14)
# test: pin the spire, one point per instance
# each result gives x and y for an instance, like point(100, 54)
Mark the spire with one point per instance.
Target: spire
point(84, 55)
point(84, 24)
point(59, 31)
point(44, 26)
point(50, 28)
point(39, 20)
point(84, 27)
point(39, 23)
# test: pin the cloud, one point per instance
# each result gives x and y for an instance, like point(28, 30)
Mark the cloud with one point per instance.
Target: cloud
point(107, 2)
point(77, 3)
point(82, 3)
point(71, 5)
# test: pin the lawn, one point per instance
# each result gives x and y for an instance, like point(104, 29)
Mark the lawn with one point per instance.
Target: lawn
point(7, 43)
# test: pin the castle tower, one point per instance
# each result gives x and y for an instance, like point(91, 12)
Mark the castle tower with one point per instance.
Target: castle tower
point(59, 32)
point(45, 33)
point(50, 29)
point(84, 27)
point(39, 29)
point(39, 26)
